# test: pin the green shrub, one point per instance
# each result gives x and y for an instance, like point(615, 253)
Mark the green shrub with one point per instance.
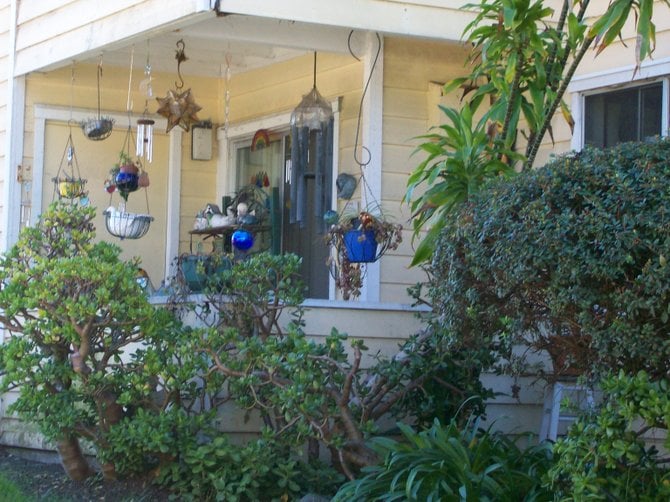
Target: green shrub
point(258, 470)
point(604, 456)
point(447, 463)
point(570, 258)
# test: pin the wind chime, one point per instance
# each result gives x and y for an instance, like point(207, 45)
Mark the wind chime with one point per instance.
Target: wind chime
point(68, 183)
point(145, 125)
point(311, 127)
point(130, 175)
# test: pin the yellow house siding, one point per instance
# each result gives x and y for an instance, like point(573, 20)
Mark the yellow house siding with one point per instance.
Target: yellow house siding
point(410, 65)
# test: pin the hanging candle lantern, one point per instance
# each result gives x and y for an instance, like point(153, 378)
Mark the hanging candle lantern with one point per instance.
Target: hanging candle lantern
point(242, 240)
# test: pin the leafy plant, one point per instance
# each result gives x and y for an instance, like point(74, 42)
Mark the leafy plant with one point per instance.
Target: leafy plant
point(570, 258)
point(447, 463)
point(605, 457)
point(261, 469)
point(74, 311)
point(524, 55)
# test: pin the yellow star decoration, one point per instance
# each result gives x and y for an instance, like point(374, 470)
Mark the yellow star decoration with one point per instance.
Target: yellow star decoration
point(179, 109)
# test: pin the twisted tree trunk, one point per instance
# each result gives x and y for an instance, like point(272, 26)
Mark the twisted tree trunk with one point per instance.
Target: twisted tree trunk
point(72, 459)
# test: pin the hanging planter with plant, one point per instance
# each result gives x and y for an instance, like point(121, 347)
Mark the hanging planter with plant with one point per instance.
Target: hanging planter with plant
point(356, 240)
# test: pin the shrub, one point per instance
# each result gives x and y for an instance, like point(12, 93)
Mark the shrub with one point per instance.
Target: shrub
point(86, 348)
point(448, 463)
point(570, 258)
point(604, 456)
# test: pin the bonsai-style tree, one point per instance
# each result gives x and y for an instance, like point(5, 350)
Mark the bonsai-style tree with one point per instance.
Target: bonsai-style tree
point(84, 348)
point(524, 55)
point(319, 391)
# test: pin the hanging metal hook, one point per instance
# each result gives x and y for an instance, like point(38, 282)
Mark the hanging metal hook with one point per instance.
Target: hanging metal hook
point(180, 56)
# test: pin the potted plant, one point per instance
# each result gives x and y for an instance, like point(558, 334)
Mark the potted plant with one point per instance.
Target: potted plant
point(355, 239)
point(124, 176)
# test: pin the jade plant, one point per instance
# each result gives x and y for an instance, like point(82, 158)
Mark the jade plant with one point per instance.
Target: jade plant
point(83, 347)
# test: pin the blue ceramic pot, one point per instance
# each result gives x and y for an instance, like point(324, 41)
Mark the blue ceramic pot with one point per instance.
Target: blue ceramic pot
point(361, 246)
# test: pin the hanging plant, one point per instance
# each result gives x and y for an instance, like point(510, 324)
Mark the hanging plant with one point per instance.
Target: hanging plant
point(99, 127)
point(356, 240)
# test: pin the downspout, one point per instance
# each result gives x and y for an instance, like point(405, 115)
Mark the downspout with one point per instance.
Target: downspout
point(11, 193)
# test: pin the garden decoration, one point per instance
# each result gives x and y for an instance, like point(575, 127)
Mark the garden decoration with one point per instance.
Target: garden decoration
point(311, 130)
point(357, 237)
point(98, 128)
point(126, 177)
point(179, 108)
point(68, 183)
point(145, 125)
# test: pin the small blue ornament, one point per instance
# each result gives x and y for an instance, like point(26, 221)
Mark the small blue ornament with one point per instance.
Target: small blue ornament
point(330, 217)
point(242, 240)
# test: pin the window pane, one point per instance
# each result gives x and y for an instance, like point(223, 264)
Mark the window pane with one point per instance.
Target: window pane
point(626, 115)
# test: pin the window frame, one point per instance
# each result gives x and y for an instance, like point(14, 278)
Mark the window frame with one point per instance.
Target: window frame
point(649, 72)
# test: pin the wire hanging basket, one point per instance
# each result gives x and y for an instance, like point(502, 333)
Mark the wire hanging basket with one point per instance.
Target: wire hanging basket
point(125, 225)
point(68, 183)
point(98, 128)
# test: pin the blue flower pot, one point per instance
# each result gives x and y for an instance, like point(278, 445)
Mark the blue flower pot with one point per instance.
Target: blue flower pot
point(361, 246)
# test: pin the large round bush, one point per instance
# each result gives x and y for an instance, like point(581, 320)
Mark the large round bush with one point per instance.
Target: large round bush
point(570, 258)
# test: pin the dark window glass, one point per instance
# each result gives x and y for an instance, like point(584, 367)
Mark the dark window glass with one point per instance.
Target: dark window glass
point(626, 115)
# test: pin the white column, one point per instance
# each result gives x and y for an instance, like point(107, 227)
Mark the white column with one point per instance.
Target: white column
point(173, 208)
point(373, 68)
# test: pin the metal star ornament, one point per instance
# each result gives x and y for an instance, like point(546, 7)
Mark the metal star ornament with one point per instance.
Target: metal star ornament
point(179, 109)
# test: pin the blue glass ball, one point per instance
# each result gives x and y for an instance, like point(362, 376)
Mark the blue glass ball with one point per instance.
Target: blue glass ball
point(126, 182)
point(242, 240)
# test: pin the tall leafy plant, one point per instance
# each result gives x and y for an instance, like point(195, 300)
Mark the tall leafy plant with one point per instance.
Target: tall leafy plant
point(524, 55)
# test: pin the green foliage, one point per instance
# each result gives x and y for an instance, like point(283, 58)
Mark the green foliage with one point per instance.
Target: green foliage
point(604, 456)
point(9, 492)
point(524, 55)
point(570, 258)
point(461, 157)
point(447, 463)
point(261, 469)
point(86, 347)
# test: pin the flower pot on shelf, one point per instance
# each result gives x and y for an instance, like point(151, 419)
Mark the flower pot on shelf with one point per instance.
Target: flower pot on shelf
point(196, 269)
point(361, 246)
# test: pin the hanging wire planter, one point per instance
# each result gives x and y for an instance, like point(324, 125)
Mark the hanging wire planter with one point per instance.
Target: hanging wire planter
point(68, 183)
point(98, 127)
point(127, 177)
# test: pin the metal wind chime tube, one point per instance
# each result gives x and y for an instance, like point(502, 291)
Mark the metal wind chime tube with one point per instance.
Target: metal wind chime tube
point(145, 126)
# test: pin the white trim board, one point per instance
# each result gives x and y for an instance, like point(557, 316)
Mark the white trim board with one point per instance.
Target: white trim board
point(44, 113)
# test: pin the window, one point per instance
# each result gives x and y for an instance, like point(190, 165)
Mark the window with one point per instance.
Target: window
point(633, 114)
point(270, 168)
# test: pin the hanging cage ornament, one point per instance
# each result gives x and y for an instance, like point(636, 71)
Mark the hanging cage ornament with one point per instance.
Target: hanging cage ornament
point(98, 128)
point(68, 183)
point(313, 111)
point(179, 108)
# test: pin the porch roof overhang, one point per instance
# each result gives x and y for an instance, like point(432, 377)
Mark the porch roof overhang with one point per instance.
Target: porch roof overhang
point(252, 33)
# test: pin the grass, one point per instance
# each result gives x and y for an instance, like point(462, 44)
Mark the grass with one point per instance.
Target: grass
point(10, 492)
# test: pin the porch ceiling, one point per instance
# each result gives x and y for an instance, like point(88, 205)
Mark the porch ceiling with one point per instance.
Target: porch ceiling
point(246, 42)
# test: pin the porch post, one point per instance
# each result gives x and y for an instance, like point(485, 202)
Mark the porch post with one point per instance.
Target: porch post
point(13, 148)
point(373, 141)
